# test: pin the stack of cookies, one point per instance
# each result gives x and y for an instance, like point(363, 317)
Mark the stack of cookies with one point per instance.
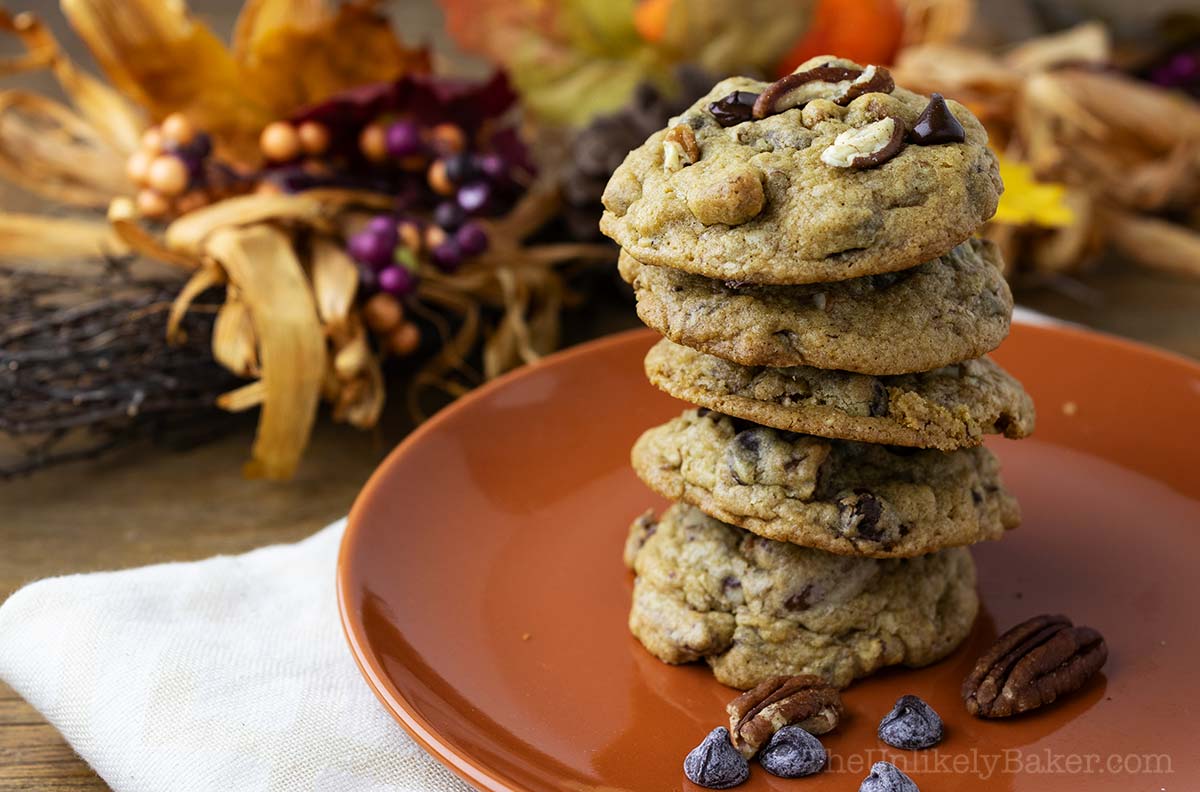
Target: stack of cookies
point(805, 248)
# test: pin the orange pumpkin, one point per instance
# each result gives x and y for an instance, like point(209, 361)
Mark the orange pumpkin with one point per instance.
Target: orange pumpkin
point(866, 31)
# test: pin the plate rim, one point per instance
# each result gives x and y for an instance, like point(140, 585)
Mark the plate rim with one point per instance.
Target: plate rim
point(423, 733)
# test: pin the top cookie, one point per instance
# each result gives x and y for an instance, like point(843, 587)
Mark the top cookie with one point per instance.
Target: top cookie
point(797, 196)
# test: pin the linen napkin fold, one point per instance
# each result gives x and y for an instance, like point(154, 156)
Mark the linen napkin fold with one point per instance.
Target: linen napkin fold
point(224, 675)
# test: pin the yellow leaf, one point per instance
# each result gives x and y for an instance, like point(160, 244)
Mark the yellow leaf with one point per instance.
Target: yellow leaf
point(1026, 201)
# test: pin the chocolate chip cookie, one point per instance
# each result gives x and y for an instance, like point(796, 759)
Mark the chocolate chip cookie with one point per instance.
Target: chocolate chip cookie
point(834, 495)
point(754, 608)
point(840, 178)
point(953, 308)
point(947, 408)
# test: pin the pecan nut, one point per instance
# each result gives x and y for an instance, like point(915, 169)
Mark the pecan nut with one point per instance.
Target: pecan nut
point(680, 148)
point(805, 701)
point(866, 147)
point(799, 88)
point(1032, 665)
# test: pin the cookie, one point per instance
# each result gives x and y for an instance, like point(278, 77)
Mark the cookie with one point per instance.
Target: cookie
point(954, 308)
point(835, 495)
point(947, 408)
point(758, 201)
point(754, 608)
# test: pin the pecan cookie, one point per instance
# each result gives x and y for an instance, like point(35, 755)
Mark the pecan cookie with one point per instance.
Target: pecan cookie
point(835, 495)
point(755, 609)
point(947, 408)
point(953, 308)
point(838, 180)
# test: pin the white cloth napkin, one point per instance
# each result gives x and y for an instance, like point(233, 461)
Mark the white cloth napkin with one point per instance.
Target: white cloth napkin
point(224, 675)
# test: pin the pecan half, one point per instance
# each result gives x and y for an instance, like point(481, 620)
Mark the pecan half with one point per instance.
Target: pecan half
point(680, 147)
point(1031, 665)
point(797, 88)
point(866, 147)
point(804, 701)
point(874, 79)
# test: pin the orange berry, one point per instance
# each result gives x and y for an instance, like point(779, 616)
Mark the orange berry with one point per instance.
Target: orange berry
point(383, 313)
point(438, 180)
point(152, 140)
point(410, 235)
point(434, 236)
point(279, 141)
point(404, 340)
point(314, 137)
point(137, 167)
point(177, 129)
point(167, 174)
point(372, 141)
point(448, 138)
point(152, 204)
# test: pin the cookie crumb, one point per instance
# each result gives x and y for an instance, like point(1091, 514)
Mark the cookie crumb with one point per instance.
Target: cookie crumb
point(526, 636)
point(1070, 408)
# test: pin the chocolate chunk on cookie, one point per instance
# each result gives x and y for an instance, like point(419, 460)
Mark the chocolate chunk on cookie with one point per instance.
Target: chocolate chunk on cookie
point(820, 183)
point(795, 610)
point(951, 407)
point(834, 495)
point(954, 308)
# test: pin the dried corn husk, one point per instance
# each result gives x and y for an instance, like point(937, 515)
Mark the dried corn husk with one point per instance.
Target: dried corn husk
point(203, 279)
point(189, 233)
point(1155, 244)
point(46, 148)
point(1099, 138)
point(37, 237)
point(109, 113)
point(125, 221)
point(271, 281)
point(234, 344)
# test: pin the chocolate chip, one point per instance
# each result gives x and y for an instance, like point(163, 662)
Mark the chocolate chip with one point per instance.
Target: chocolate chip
point(861, 514)
point(715, 763)
point(748, 440)
point(936, 124)
point(886, 777)
point(879, 400)
point(912, 725)
point(793, 753)
point(803, 600)
point(733, 109)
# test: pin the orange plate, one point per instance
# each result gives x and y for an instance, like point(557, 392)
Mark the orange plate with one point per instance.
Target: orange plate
point(484, 597)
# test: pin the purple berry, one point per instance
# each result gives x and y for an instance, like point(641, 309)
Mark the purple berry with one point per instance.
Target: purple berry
point(384, 226)
point(459, 168)
point(397, 281)
point(447, 256)
point(474, 197)
point(403, 139)
point(472, 239)
point(373, 249)
point(449, 215)
point(492, 166)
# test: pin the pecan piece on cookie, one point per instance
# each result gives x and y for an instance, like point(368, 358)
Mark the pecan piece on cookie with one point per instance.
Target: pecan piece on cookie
point(874, 79)
point(866, 147)
point(798, 88)
point(805, 701)
point(680, 148)
point(1032, 665)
